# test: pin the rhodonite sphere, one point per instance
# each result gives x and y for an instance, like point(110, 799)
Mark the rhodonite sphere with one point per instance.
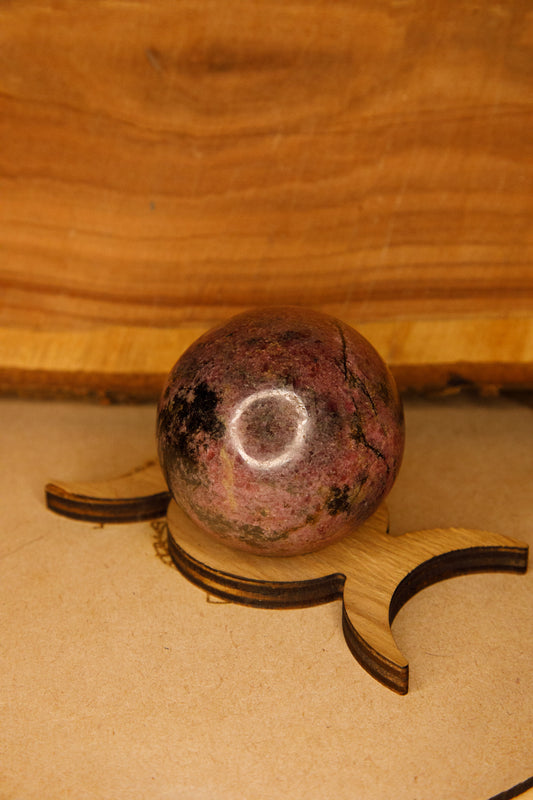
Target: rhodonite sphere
point(280, 431)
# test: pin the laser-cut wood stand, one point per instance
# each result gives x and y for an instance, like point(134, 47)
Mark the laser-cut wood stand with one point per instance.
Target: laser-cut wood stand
point(373, 572)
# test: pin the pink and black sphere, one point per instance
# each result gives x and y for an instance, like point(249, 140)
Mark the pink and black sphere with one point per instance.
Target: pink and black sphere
point(280, 431)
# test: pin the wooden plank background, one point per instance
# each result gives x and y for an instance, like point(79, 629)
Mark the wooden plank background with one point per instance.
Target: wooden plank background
point(164, 164)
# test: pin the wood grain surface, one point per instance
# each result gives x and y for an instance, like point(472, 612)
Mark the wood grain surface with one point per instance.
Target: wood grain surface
point(166, 163)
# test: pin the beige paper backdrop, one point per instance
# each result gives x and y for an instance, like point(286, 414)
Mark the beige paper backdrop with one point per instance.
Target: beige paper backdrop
point(119, 679)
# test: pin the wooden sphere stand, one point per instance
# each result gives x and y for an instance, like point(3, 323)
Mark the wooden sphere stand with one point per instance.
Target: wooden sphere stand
point(373, 572)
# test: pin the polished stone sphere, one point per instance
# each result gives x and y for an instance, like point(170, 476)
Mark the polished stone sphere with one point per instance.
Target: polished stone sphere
point(280, 431)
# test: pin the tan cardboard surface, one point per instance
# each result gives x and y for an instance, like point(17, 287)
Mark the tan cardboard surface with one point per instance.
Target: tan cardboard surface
point(119, 679)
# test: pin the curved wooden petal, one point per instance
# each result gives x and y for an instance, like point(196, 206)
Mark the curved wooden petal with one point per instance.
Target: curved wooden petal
point(139, 495)
point(374, 574)
point(392, 569)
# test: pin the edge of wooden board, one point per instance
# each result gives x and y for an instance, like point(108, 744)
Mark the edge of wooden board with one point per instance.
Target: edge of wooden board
point(130, 364)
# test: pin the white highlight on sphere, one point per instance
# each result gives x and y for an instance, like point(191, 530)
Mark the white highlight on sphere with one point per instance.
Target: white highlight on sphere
point(293, 449)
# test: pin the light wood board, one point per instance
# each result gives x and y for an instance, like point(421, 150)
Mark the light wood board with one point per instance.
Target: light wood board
point(132, 363)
